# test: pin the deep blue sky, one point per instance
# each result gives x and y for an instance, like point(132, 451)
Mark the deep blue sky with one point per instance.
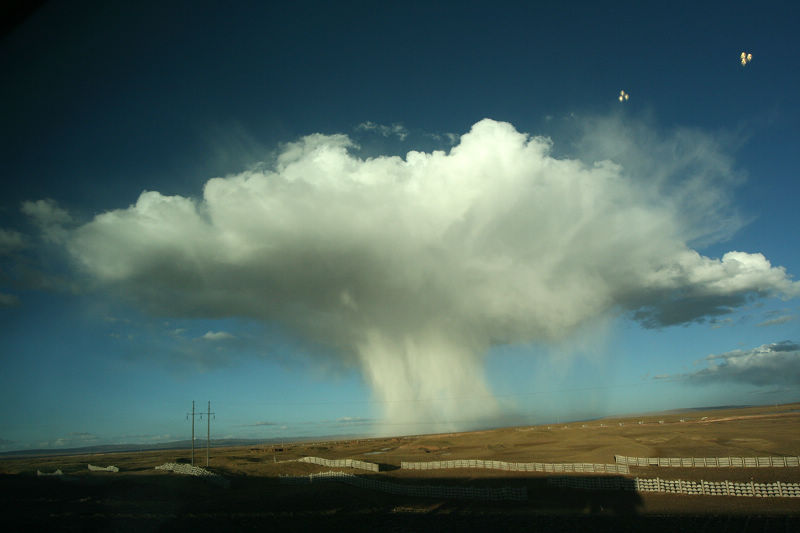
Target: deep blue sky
point(103, 101)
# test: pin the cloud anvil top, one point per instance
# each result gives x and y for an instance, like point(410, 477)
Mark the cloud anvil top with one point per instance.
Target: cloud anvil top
point(414, 267)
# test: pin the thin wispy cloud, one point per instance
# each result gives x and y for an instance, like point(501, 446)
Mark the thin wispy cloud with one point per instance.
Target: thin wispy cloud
point(450, 138)
point(71, 440)
point(10, 241)
point(145, 438)
point(717, 323)
point(83, 435)
point(397, 130)
point(8, 300)
point(49, 217)
point(354, 420)
point(777, 321)
point(260, 424)
point(216, 336)
point(774, 391)
point(21, 265)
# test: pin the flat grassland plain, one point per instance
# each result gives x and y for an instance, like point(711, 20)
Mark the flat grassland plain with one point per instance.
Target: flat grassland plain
point(140, 498)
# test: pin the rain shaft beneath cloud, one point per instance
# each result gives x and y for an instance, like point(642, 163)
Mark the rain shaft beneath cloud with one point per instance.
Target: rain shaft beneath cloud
point(412, 268)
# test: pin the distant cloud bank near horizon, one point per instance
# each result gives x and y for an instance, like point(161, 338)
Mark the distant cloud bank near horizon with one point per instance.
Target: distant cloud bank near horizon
point(777, 363)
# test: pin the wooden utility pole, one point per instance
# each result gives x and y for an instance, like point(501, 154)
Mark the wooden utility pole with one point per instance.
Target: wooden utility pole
point(208, 429)
point(187, 416)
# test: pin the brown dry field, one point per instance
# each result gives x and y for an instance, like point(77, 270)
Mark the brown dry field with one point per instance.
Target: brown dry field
point(139, 498)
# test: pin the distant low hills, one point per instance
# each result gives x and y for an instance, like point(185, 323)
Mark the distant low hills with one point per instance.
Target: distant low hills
point(115, 448)
point(232, 442)
point(173, 445)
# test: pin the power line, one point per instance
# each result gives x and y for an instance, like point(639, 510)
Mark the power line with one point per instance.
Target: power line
point(208, 414)
point(187, 417)
point(208, 428)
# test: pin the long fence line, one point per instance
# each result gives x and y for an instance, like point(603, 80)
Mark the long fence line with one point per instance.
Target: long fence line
point(518, 467)
point(680, 486)
point(422, 491)
point(340, 463)
point(710, 462)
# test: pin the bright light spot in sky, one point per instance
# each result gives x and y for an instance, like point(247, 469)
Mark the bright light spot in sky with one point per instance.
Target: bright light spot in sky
point(745, 58)
point(623, 96)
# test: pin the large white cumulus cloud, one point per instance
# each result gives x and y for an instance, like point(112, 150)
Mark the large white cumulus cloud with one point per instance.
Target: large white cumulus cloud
point(412, 267)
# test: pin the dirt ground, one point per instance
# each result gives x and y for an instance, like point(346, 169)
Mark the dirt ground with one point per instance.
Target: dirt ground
point(140, 498)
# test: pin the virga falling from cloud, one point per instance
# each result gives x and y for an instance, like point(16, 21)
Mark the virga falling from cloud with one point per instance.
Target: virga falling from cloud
point(411, 268)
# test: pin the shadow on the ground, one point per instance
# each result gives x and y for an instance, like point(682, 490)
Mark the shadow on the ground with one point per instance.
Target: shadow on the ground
point(168, 502)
